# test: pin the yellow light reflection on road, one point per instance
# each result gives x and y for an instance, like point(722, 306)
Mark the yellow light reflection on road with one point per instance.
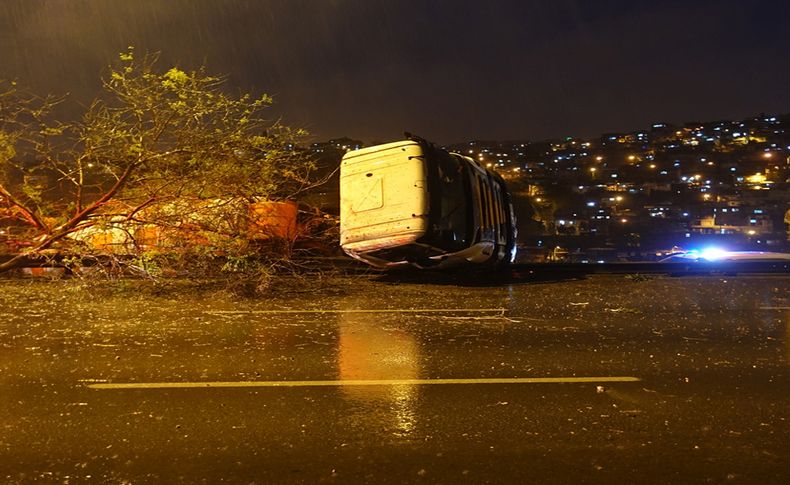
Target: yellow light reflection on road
point(369, 352)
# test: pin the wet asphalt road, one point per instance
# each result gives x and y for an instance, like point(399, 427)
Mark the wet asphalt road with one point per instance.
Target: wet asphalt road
point(688, 383)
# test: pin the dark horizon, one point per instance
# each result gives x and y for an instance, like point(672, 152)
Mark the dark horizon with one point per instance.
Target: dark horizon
point(447, 70)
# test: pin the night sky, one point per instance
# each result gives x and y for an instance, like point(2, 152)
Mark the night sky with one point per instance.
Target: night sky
point(447, 70)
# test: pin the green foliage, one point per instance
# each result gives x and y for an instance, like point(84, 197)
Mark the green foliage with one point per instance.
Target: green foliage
point(181, 124)
point(7, 149)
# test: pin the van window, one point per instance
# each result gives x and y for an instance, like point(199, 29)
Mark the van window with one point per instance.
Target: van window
point(449, 196)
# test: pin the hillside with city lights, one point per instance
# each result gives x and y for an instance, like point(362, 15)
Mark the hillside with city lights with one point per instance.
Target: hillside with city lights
point(638, 194)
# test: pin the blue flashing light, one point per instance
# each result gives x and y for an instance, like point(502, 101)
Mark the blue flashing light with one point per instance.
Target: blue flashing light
point(711, 253)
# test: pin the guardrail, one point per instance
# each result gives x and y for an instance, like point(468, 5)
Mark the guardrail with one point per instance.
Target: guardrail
point(653, 267)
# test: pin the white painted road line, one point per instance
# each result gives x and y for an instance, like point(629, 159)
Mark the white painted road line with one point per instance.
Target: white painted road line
point(385, 310)
point(346, 382)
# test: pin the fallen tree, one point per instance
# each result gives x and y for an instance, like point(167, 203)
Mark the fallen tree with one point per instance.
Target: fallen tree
point(151, 140)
